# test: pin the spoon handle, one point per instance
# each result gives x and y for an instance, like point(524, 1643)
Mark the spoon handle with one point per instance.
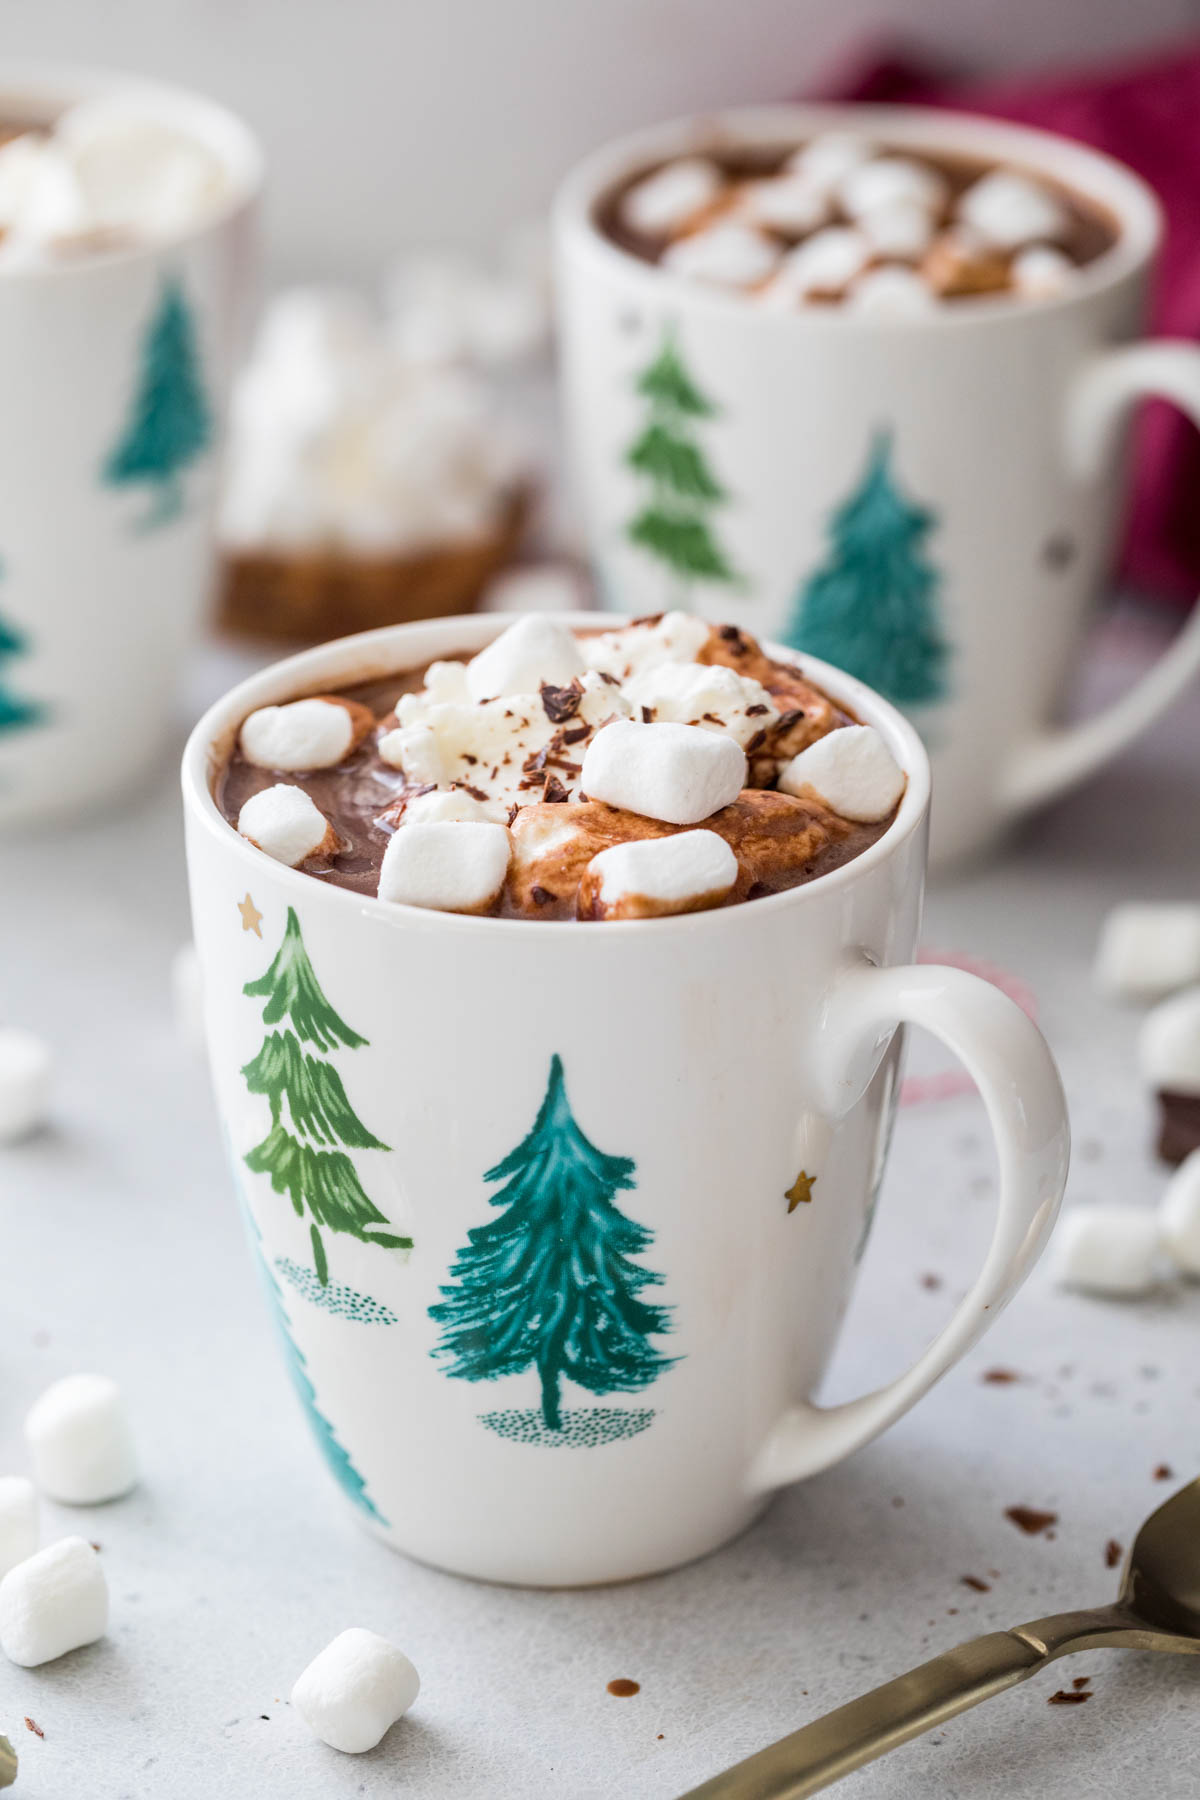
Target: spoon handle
point(857, 1733)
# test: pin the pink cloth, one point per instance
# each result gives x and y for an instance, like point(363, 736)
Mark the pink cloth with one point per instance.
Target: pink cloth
point(1149, 117)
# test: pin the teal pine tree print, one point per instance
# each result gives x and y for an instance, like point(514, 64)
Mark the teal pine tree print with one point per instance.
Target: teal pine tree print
point(318, 1180)
point(682, 492)
point(170, 423)
point(872, 606)
point(15, 712)
point(551, 1285)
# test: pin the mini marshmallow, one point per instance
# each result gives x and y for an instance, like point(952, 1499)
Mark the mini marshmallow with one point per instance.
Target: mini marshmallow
point(709, 695)
point(25, 1071)
point(1147, 952)
point(1106, 1249)
point(413, 749)
point(903, 229)
point(1009, 209)
point(304, 734)
point(187, 996)
point(18, 1521)
point(651, 877)
point(1042, 272)
point(673, 637)
point(285, 823)
point(891, 293)
point(532, 650)
point(892, 181)
point(54, 1601)
point(727, 254)
point(827, 160)
point(1179, 1215)
point(79, 1441)
point(1169, 1044)
point(791, 204)
point(447, 867)
point(678, 773)
point(666, 200)
point(823, 264)
point(355, 1690)
point(451, 806)
point(851, 770)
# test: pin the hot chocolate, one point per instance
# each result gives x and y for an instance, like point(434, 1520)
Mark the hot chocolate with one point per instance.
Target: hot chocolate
point(663, 767)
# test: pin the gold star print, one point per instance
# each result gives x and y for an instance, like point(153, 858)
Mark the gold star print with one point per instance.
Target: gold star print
point(252, 918)
point(800, 1190)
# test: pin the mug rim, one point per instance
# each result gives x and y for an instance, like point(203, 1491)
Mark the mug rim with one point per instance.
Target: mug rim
point(1113, 185)
point(53, 86)
point(379, 652)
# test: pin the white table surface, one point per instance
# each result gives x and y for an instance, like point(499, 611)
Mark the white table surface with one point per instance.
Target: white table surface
point(236, 1559)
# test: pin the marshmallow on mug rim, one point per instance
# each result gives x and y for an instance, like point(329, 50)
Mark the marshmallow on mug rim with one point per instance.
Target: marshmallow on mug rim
point(18, 1521)
point(446, 867)
point(303, 734)
point(851, 770)
point(1106, 1249)
point(790, 203)
point(54, 1601)
point(890, 181)
point(891, 293)
point(80, 1442)
point(286, 823)
point(1179, 1215)
point(825, 263)
point(651, 877)
point(26, 1065)
point(1009, 209)
point(1169, 1044)
point(530, 651)
point(1042, 272)
point(727, 254)
point(671, 196)
point(1148, 951)
point(680, 774)
point(355, 1690)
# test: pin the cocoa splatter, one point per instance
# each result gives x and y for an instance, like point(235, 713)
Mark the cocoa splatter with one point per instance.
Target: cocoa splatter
point(624, 1689)
point(973, 1581)
point(1000, 1377)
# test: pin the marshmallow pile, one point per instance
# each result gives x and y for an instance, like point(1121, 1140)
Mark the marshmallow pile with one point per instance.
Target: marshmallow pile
point(629, 718)
point(846, 220)
point(343, 438)
point(109, 171)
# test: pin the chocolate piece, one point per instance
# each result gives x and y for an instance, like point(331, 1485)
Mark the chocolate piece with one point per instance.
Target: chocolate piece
point(1030, 1519)
point(1179, 1125)
point(561, 703)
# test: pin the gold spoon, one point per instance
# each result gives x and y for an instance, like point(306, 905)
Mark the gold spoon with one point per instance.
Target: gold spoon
point(1158, 1609)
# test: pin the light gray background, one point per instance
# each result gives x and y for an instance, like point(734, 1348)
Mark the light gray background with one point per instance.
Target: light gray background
point(237, 1559)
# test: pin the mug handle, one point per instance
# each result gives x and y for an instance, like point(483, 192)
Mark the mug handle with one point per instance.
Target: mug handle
point(1026, 1107)
point(1098, 403)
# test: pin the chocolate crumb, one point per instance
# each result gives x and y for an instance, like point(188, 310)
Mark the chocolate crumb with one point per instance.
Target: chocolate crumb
point(1163, 1472)
point(712, 718)
point(1113, 1552)
point(624, 1689)
point(475, 793)
point(513, 810)
point(554, 792)
point(265, 1716)
point(1000, 1377)
point(561, 703)
point(752, 712)
point(540, 896)
point(788, 719)
point(32, 1725)
point(661, 1736)
point(1030, 1519)
point(932, 1282)
point(468, 758)
point(610, 679)
point(648, 619)
point(576, 734)
point(733, 637)
point(1067, 1698)
point(95, 1546)
point(1081, 1681)
point(973, 1581)
point(647, 715)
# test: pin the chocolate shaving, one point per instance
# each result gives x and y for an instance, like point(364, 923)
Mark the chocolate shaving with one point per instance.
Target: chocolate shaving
point(753, 712)
point(712, 718)
point(1030, 1519)
point(973, 1581)
point(561, 703)
point(647, 715)
point(756, 742)
point(733, 637)
point(32, 1725)
point(1000, 1377)
point(1163, 1472)
point(1068, 1697)
point(611, 679)
point(576, 734)
point(788, 719)
point(535, 762)
point(513, 810)
point(554, 792)
point(541, 896)
point(475, 793)
point(648, 619)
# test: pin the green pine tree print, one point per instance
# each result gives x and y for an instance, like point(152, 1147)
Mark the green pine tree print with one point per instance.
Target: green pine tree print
point(170, 423)
point(551, 1284)
point(872, 606)
point(672, 524)
point(15, 712)
point(318, 1180)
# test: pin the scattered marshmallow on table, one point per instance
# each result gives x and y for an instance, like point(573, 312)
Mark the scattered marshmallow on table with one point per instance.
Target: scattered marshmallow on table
point(531, 651)
point(892, 181)
point(25, 1071)
point(851, 770)
point(823, 264)
point(1179, 1216)
point(891, 293)
point(80, 1442)
point(1169, 1044)
point(1106, 1249)
point(1042, 272)
point(1009, 209)
point(1147, 951)
point(650, 877)
point(680, 774)
point(791, 203)
point(18, 1521)
point(666, 200)
point(54, 1601)
point(727, 254)
point(355, 1690)
point(284, 822)
point(303, 734)
point(446, 866)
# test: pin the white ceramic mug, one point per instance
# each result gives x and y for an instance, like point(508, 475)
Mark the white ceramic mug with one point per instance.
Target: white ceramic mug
point(981, 436)
point(675, 1127)
point(115, 368)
